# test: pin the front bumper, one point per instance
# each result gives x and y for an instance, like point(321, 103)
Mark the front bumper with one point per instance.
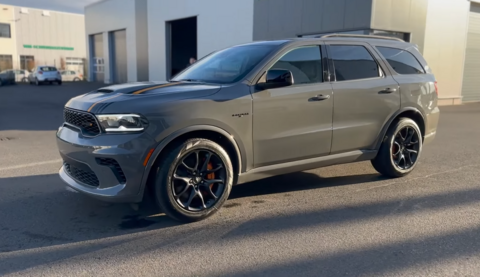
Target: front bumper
point(84, 171)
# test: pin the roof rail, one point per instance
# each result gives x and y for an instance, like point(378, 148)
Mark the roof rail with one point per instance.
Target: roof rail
point(361, 36)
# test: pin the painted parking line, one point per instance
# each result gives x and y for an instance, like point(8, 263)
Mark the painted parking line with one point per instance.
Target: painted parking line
point(29, 165)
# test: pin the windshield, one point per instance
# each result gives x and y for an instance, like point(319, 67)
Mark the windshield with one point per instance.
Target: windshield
point(226, 66)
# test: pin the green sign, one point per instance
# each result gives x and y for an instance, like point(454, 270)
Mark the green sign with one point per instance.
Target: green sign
point(48, 47)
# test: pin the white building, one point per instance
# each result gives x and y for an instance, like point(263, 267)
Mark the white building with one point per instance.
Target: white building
point(141, 40)
point(30, 37)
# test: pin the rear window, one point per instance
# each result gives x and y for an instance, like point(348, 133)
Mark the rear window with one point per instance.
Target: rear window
point(48, 68)
point(403, 62)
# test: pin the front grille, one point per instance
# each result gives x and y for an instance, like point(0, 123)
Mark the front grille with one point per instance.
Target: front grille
point(84, 121)
point(115, 167)
point(86, 177)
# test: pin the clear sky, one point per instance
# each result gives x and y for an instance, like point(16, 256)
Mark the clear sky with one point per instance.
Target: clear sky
point(74, 6)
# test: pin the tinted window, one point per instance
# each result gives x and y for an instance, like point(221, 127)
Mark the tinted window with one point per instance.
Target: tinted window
point(401, 61)
point(226, 66)
point(48, 68)
point(305, 63)
point(4, 30)
point(353, 62)
point(72, 72)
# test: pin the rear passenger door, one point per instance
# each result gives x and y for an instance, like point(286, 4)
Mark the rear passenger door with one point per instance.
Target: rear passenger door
point(365, 95)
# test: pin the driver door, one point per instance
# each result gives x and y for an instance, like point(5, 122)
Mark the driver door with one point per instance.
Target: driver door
point(295, 122)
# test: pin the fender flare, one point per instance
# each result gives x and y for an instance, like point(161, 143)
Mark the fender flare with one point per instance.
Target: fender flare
point(164, 142)
point(387, 125)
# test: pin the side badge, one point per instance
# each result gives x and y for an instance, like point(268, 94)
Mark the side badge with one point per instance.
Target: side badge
point(240, 115)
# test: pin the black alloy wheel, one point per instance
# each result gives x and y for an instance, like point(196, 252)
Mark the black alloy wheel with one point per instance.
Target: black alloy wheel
point(405, 148)
point(400, 150)
point(193, 180)
point(198, 180)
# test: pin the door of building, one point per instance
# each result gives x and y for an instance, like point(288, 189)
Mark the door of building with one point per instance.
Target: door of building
point(471, 72)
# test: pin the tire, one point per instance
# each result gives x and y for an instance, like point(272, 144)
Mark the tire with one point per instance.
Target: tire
point(37, 83)
point(398, 140)
point(175, 199)
point(59, 83)
point(76, 79)
point(1, 82)
point(24, 80)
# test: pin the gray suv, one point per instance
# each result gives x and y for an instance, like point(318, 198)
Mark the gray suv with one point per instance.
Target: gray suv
point(250, 112)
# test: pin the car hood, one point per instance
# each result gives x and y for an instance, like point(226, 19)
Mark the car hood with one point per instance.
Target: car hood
point(98, 100)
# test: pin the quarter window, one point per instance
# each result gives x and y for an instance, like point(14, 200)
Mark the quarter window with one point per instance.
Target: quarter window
point(403, 62)
point(305, 63)
point(353, 62)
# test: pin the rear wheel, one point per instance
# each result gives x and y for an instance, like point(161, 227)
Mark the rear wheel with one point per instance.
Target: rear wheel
point(400, 150)
point(194, 180)
point(37, 83)
point(59, 83)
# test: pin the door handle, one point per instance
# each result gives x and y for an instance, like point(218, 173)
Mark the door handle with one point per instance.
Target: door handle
point(319, 97)
point(387, 90)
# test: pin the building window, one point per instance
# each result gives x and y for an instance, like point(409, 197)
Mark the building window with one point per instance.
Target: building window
point(353, 62)
point(401, 61)
point(5, 30)
point(305, 63)
point(27, 62)
point(6, 62)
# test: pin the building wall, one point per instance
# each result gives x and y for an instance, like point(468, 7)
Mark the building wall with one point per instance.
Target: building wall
point(445, 44)
point(277, 19)
point(37, 35)
point(220, 24)
point(409, 16)
point(7, 45)
point(106, 16)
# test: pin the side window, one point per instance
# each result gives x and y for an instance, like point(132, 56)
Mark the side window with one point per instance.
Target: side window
point(72, 72)
point(353, 62)
point(305, 63)
point(401, 61)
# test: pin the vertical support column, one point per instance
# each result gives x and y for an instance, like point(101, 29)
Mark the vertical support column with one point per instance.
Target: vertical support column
point(107, 58)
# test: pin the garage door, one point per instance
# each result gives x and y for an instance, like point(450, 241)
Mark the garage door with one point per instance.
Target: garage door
point(119, 49)
point(471, 77)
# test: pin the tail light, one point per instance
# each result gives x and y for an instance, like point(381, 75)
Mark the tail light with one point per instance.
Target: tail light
point(40, 72)
point(436, 88)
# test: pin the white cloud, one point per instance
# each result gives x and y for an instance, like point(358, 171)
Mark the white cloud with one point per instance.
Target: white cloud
point(75, 6)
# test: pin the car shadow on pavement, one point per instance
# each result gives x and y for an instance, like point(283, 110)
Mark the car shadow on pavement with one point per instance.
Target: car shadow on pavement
point(40, 224)
point(297, 182)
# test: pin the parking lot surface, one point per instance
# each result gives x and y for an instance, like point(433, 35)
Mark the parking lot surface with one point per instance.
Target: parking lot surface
point(337, 221)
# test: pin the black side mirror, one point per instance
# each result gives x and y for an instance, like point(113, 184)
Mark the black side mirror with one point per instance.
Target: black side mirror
point(276, 78)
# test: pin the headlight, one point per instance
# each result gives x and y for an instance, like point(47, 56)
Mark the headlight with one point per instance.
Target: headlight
point(122, 122)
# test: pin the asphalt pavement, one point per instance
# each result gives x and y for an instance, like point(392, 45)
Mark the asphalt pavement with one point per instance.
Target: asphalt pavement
point(338, 221)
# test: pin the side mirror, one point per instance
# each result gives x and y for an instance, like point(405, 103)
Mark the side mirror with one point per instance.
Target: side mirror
point(276, 78)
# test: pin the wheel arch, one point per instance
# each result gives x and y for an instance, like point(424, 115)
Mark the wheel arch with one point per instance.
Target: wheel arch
point(411, 113)
point(216, 134)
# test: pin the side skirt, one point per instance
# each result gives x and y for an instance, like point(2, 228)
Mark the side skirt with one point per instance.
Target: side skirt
point(290, 167)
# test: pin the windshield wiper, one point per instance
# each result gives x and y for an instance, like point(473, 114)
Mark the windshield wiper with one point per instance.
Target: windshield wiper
point(191, 80)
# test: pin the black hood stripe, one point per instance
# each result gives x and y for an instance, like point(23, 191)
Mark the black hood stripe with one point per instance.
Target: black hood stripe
point(155, 87)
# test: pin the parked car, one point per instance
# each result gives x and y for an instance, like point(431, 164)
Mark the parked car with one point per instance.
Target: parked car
point(45, 74)
point(250, 112)
point(70, 75)
point(21, 75)
point(7, 77)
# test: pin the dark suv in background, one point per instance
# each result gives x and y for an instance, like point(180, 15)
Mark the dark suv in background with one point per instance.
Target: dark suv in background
point(250, 112)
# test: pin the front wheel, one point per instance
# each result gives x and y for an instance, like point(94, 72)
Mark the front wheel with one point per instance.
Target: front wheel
point(400, 150)
point(193, 180)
